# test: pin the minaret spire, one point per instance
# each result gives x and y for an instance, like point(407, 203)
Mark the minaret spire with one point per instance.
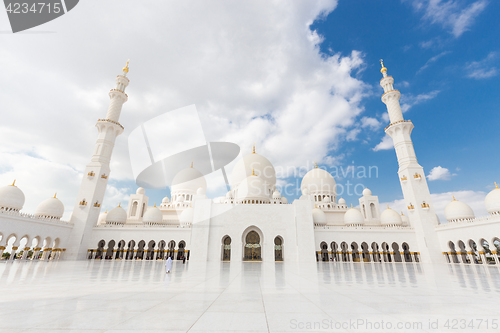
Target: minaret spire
point(96, 173)
point(412, 178)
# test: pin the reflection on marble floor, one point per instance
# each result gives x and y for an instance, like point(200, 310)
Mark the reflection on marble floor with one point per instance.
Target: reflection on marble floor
point(137, 296)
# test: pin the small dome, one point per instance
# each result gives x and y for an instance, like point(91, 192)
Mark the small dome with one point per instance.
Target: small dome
point(117, 215)
point(252, 188)
point(341, 201)
point(353, 217)
point(165, 200)
point(284, 200)
point(229, 195)
point(11, 197)
point(458, 210)
point(326, 200)
point(102, 218)
point(188, 180)
point(390, 217)
point(319, 217)
point(304, 191)
point(186, 217)
point(276, 195)
point(367, 192)
point(50, 208)
point(492, 201)
point(140, 190)
point(200, 191)
point(153, 215)
point(405, 219)
point(318, 181)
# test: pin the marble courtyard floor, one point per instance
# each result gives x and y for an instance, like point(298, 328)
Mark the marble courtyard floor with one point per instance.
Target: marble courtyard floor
point(137, 296)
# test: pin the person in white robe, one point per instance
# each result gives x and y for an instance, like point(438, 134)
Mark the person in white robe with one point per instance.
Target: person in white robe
point(168, 265)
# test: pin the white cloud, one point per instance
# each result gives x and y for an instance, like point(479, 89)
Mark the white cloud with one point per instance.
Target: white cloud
point(482, 69)
point(432, 60)
point(451, 14)
point(408, 100)
point(439, 173)
point(385, 144)
point(251, 79)
point(475, 199)
point(371, 123)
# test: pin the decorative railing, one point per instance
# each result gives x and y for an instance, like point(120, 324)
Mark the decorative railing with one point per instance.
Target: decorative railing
point(397, 122)
point(112, 121)
point(34, 217)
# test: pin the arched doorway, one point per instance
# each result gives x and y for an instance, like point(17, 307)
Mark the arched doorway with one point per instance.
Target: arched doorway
point(110, 250)
point(180, 252)
point(226, 248)
point(345, 251)
point(463, 252)
point(365, 252)
point(397, 255)
point(252, 247)
point(278, 249)
point(406, 252)
point(355, 252)
point(452, 257)
point(140, 250)
point(100, 249)
point(151, 250)
point(334, 248)
point(171, 249)
point(324, 251)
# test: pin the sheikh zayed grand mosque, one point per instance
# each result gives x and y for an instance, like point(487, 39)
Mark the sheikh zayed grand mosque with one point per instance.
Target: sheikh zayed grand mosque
point(253, 221)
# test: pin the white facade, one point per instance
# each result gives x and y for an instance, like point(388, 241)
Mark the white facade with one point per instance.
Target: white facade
point(253, 221)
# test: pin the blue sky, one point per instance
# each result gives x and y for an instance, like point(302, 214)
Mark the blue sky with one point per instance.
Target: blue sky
point(259, 72)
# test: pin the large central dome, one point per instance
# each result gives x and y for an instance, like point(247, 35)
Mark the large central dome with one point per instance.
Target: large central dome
point(188, 180)
point(250, 164)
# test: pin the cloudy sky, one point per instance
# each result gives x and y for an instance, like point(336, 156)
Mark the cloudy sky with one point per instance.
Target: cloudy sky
point(298, 78)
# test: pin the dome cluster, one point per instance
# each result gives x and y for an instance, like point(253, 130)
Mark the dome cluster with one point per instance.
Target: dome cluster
point(457, 211)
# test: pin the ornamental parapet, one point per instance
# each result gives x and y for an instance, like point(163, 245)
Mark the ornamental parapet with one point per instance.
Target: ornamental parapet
point(33, 217)
point(397, 122)
point(390, 91)
point(110, 90)
point(111, 121)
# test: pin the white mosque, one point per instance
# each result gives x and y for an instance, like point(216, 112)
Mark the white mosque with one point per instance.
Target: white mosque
point(253, 222)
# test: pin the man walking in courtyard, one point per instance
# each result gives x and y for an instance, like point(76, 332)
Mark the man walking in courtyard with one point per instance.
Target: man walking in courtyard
point(168, 265)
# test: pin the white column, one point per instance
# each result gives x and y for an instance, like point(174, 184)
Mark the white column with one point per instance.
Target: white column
point(25, 253)
point(13, 253)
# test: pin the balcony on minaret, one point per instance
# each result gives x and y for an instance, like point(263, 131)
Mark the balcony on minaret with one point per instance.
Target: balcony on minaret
point(104, 176)
point(417, 176)
point(91, 174)
point(425, 206)
point(411, 207)
point(83, 203)
point(97, 204)
point(404, 179)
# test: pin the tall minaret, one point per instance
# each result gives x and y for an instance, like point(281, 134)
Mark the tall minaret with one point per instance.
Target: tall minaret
point(95, 176)
point(411, 175)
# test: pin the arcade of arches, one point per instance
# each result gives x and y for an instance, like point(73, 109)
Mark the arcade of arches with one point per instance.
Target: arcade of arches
point(470, 251)
point(353, 252)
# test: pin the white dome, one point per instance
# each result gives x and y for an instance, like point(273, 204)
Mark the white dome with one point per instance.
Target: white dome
point(252, 188)
point(326, 199)
point(51, 208)
point(284, 200)
point(492, 201)
point(165, 200)
point(353, 217)
point(405, 219)
point(367, 192)
point(102, 218)
point(390, 217)
point(117, 215)
point(304, 191)
point(200, 191)
point(318, 181)
point(253, 163)
point(188, 180)
point(153, 215)
point(341, 201)
point(276, 195)
point(186, 217)
point(140, 190)
point(319, 217)
point(458, 210)
point(11, 197)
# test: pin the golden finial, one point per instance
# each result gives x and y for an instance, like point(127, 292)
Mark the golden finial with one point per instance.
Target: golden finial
point(191, 164)
point(352, 206)
point(315, 205)
point(125, 69)
point(55, 196)
point(154, 205)
point(383, 68)
point(254, 147)
point(316, 164)
point(120, 204)
point(454, 198)
point(402, 213)
point(253, 172)
point(106, 211)
point(14, 183)
point(496, 186)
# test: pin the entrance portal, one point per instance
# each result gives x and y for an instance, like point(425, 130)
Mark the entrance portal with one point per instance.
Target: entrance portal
point(252, 247)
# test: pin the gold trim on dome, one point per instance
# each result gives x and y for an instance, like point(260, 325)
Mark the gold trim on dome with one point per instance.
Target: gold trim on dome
point(496, 186)
point(14, 183)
